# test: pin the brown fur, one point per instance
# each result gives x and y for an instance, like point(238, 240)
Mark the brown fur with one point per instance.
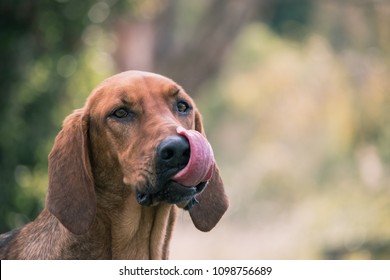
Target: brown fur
point(95, 168)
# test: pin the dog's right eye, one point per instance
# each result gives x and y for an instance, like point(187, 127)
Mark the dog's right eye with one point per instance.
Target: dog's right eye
point(121, 113)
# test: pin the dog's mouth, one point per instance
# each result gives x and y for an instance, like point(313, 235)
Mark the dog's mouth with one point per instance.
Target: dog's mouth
point(173, 193)
point(186, 164)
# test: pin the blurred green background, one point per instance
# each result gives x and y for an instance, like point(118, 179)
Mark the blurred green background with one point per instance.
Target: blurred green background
point(295, 96)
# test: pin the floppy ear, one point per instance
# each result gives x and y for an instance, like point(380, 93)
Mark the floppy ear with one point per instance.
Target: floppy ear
point(71, 195)
point(213, 201)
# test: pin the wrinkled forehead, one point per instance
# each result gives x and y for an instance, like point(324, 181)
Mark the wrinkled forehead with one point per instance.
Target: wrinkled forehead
point(132, 87)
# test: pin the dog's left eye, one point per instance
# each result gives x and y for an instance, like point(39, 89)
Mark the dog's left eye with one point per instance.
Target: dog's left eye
point(182, 107)
point(121, 113)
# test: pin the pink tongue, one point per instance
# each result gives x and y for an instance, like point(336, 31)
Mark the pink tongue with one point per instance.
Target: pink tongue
point(200, 166)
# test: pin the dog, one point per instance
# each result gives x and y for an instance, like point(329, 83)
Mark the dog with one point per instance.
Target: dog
point(119, 171)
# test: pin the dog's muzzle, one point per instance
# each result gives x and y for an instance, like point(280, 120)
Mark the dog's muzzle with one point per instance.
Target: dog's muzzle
point(176, 155)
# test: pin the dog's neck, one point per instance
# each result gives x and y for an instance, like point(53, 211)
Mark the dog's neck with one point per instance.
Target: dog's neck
point(139, 232)
point(131, 232)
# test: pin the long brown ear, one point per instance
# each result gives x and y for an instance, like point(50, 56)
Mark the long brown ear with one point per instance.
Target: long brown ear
point(213, 201)
point(71, 196)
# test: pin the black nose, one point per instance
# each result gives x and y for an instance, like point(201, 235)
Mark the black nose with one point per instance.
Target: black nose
point(173, 151)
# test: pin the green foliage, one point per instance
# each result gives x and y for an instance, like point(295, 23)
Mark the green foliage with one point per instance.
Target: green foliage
point(291, 17)
point(46, 71)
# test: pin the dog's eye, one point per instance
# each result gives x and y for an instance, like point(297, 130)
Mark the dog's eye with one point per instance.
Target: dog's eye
point(120, 113)
point(182, 107)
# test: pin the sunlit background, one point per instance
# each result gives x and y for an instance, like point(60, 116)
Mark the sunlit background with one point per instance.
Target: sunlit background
point(295, 97)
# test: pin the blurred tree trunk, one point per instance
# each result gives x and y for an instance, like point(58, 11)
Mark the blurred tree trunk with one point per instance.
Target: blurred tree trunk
point(149, 44)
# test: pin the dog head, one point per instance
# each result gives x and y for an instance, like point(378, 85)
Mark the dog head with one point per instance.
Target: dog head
point(138, 134)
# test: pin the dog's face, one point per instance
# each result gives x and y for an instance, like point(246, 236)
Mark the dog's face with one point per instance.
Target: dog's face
point(130, 116)
point(124, 142)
